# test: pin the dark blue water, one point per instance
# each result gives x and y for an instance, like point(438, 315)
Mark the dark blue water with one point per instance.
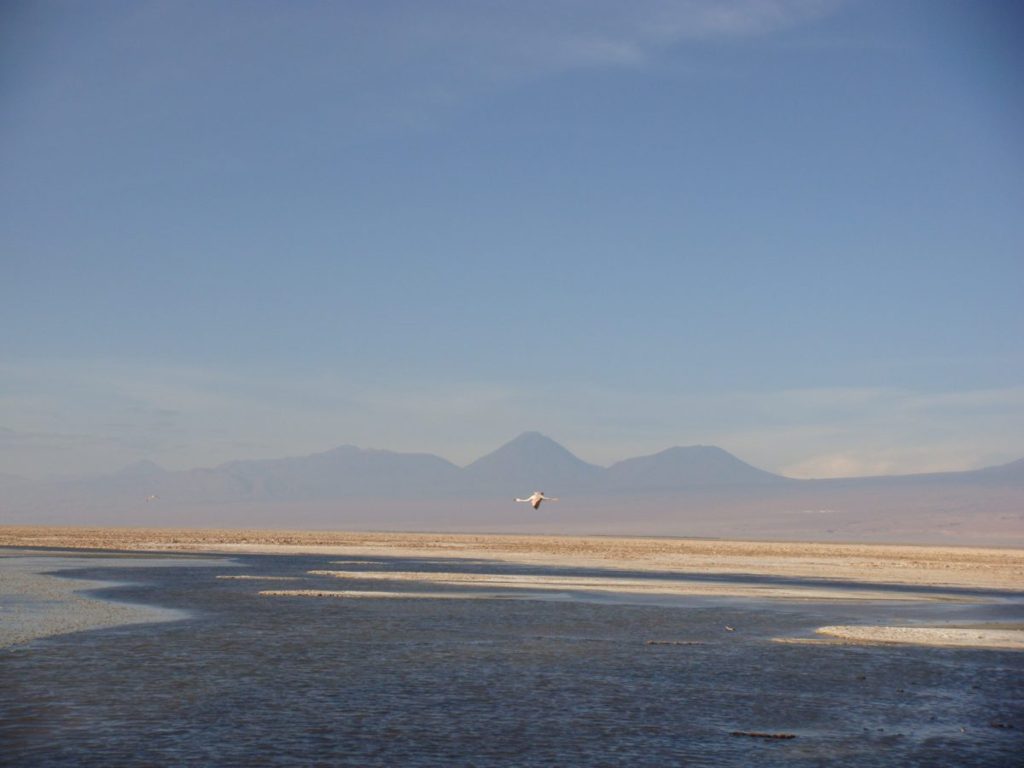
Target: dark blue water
point(251, 680)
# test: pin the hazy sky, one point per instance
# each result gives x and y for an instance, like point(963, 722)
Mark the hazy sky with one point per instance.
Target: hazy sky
point(258, 229)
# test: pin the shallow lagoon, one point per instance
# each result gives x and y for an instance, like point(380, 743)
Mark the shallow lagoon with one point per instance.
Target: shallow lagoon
point(564, 677)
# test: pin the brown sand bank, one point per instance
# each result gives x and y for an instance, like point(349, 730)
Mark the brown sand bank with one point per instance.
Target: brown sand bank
point(970, 567)
point(984, 637)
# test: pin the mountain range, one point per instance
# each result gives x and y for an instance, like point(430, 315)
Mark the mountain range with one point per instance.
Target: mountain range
point(694, 490)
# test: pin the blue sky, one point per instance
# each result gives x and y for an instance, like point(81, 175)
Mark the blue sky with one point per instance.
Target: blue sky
point(233, 230)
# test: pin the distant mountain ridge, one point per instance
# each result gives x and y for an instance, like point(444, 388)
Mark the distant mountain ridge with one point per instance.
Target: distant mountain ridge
point(683, 490)
point(342, 472)
point(529, 462)
point(695, 465)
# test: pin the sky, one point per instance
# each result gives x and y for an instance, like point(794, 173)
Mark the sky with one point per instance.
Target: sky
point(790, 228)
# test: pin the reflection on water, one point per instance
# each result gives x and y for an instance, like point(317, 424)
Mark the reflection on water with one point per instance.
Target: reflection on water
point(253, 680)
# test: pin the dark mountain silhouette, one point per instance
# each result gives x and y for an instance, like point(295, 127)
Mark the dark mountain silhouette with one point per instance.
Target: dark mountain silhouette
point(696, 465)
point(343, 472)
point(529, 462)
point(1013, 472)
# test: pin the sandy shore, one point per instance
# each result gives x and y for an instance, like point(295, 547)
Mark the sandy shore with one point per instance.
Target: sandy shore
point(838, 571)
point(958, 567)
point(1010, 639)
point(35, 604)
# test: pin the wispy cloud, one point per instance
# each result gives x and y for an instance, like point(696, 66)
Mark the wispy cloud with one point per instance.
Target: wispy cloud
point(528, 38)
point(881, 431)
point(100, 415)
point(820, 432)
point(388, 61)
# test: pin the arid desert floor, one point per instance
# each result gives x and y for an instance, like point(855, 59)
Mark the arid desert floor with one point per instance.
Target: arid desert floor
point(992, 568)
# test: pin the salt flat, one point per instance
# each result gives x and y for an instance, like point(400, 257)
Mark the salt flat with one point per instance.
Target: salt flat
point(934, 566)
point(814, 571)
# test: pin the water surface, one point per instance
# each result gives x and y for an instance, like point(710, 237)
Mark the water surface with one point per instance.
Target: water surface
point(254, 680)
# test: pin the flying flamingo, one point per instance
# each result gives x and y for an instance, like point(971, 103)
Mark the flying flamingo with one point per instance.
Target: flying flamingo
point(536, 498)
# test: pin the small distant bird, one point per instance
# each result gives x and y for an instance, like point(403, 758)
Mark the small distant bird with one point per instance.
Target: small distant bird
point(152, 498)
point(536, 498)
point(729, 629)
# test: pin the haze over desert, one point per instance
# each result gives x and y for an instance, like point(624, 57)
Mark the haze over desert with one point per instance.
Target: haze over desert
point(527, 383)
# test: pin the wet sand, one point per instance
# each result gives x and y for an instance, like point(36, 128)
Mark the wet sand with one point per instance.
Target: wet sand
point(514, 584)
point(853, 568)
point(36, 604)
